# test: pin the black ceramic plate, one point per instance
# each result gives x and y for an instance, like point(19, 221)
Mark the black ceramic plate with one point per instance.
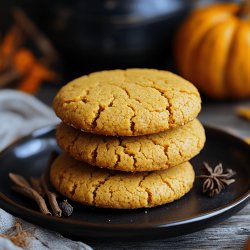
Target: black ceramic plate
point(193, 212)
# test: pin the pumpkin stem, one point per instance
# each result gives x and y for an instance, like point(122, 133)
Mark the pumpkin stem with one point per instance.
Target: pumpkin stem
point(244, 10)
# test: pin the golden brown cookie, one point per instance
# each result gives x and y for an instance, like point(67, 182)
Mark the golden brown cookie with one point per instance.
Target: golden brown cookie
point(127, 102)
point(142, 153)
point(93, 186)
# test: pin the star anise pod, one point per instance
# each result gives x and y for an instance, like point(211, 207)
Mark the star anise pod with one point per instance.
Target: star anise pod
point(215, 180)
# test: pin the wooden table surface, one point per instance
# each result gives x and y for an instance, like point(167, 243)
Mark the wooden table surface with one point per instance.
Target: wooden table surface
point(229, 234)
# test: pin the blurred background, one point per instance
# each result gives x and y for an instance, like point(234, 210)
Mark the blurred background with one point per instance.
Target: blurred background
point(96, 35)
point(44, 44)
point(81, 36)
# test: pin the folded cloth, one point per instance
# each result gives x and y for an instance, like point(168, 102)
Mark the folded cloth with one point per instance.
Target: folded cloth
point(20, 114)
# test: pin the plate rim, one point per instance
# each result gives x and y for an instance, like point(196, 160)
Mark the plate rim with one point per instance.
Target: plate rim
point(11, 205)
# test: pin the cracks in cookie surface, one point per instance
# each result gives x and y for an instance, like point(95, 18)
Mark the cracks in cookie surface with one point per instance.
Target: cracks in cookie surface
point(124, 90)
point(158, 104)
point(125, 157)
point(84, 99)
point(169, 105)
point(143, 178)
point(132, 156)
point(73, 191)
point(163, 94)
point(97, 116)
point(150, 197)
point(119, 139)
point(180, 153)
point(132, 123)
point(117, 161)
point(101, 189)
point(167, 183)
point(147, 190)
point(111, 102)
point(94, 155)
point(164, 147)
point(139, 102)
point(75, 139)
point(101, 183)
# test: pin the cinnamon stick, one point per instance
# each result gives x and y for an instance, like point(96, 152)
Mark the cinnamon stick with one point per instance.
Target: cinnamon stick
point(36, 184)
point(32, 194)
point(19, 180)
point(23, 187)
point(52, 198)
point(45, 185)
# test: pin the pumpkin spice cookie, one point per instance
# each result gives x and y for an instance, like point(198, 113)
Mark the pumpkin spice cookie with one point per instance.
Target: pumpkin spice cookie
point(127, 102)
point(93, 186)
point(142, 153)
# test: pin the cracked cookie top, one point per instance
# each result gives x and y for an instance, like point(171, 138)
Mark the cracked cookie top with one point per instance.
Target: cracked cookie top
point(127, 102)
point(142, 153)
point(93, 186)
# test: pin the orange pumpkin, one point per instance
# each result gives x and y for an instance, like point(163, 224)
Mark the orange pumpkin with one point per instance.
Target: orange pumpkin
point(212, 50)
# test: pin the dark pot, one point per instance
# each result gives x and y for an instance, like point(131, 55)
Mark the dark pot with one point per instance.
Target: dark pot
point(103, 34)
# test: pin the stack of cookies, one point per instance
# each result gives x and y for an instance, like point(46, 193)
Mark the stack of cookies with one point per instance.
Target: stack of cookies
point(127, 137)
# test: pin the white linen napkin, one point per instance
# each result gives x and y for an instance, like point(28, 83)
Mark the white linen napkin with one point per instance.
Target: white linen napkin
point(20, 114)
